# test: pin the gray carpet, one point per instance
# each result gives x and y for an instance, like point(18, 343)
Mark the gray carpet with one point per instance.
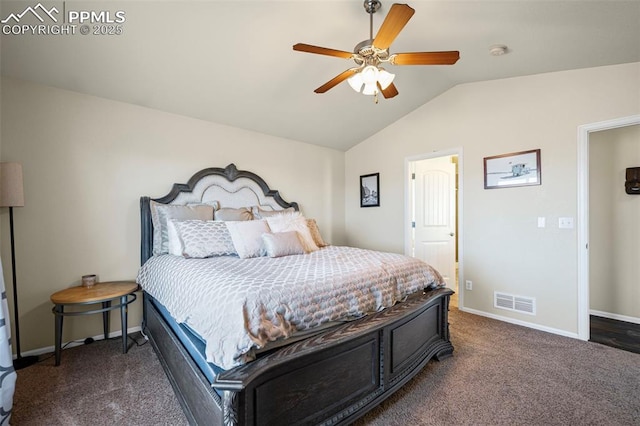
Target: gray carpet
point(500, 374)
point(96, 384)
point(504, 374)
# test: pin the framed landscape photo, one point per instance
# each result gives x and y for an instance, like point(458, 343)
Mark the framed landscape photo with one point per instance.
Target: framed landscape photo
point(370, 190)
point(514, 169)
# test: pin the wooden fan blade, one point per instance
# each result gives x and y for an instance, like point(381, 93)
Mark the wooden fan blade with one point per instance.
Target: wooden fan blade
point(425, 58)
point(389, 92)
point(301, 47)
point(396, 19)
point(336, 80)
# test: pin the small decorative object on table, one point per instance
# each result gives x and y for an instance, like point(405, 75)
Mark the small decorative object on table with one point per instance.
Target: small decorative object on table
point(89, 280)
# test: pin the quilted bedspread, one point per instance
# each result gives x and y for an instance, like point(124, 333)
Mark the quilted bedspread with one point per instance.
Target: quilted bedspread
point(237, 305)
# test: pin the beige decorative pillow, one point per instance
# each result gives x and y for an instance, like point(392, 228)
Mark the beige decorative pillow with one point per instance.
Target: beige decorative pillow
point(315, 233)
point(162, 213)
point(213, 203)
point(281, 244)
point(229, 214)
point(293, 222)
point(247, 236)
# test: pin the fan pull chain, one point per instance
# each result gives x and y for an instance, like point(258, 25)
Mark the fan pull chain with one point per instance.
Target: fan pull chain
point(375, 97)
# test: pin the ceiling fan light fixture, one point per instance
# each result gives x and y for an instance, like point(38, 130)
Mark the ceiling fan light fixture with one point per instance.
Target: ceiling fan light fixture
point(367, 78)
point(385, 78)
point(370, 89)
point(355, 81)
point(369, 74)
point(366, 81)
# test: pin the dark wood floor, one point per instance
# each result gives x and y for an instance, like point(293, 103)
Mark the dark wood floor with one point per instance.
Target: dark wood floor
point(619, 334)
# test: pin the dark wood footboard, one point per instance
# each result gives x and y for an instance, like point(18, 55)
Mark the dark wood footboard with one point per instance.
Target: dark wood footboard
point(332, 378)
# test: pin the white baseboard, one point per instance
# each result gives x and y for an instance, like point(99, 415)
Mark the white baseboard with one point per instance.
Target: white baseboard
point(74, 343)
point(615, 316)
point(634, 320)
point(522, 323)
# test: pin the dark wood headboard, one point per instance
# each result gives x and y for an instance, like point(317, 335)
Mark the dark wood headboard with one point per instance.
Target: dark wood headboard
point(196, 189)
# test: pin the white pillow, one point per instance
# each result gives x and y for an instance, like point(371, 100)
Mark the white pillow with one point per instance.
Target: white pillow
point(162, 213)
point(247, 236)
point(174, 243)
point(293, 222)
point(200, 239)
point(259, 213)
point(282, 244)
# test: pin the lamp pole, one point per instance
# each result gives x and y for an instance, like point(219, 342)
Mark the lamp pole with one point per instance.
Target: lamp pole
point(16, 316)
point(20, 361)
point(12, 195)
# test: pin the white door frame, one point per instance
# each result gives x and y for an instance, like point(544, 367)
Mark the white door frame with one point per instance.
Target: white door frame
point(459, 197)
point(583, 214)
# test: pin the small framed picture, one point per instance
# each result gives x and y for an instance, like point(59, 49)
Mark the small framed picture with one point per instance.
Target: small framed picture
point(514, 169)
point(370, 190)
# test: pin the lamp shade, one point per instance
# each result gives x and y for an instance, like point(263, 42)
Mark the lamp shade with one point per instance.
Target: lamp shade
point(355, 81)
point(11, 191)
point(370, 89)
point(366, 80)
point(369, 74)
point(385, 78)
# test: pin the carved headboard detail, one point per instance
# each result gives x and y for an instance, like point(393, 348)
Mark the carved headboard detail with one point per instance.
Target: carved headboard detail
point(229, 187)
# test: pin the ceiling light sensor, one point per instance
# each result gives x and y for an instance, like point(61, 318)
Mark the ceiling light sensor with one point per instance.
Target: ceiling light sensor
point(498, 50)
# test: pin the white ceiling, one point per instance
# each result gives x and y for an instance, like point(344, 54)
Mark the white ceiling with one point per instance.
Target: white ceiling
point(231, 62)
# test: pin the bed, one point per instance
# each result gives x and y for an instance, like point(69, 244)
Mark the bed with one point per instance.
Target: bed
point(321, 370)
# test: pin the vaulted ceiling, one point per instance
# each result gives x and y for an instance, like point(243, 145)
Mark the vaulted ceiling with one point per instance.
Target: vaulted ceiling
point(231, 62)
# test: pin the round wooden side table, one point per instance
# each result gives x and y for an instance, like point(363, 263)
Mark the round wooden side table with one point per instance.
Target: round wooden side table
point(98, 293)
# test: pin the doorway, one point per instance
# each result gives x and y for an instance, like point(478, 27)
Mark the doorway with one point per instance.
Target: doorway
point(583, 216)
point(432, 231)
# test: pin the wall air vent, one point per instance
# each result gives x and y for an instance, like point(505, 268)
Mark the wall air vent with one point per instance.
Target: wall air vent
point(510, 302)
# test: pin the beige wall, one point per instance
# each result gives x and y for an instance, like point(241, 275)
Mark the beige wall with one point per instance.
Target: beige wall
point(614, 228)
point(503, 249)
point(87, 161)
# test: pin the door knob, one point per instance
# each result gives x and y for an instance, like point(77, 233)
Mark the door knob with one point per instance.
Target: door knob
point(451, 234)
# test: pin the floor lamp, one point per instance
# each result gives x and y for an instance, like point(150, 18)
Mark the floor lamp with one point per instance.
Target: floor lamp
point(12, 195)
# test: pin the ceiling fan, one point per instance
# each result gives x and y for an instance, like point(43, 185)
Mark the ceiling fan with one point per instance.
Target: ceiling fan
point(368, 77)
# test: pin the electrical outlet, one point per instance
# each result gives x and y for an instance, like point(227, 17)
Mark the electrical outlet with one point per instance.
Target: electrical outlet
point(468, 285)
point(565, 222)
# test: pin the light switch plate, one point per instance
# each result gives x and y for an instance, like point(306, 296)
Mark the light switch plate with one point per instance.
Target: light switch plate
point(542, 222)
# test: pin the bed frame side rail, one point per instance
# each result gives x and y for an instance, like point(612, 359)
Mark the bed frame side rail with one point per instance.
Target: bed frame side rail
point(199, 401)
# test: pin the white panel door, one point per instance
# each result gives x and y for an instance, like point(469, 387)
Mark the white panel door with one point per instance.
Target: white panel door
point(435, 215)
